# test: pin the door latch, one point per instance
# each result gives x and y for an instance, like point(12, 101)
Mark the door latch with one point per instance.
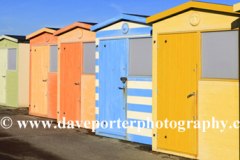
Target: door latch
point(3, 76)
point(77, 83)
point(190, 95)
point(123, 79)
point(120, 87)
point(44, 80)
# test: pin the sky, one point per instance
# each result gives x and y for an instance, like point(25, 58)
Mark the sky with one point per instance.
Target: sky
point(23, 17)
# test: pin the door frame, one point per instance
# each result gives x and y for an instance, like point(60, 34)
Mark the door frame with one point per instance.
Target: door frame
point(154, 107)
point(126, 90)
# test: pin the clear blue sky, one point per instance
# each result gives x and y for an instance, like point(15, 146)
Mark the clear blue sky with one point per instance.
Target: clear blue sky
point(22, 17)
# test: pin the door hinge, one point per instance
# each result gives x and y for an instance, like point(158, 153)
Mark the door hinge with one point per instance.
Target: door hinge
point(59, 51)
point(31, 79)
point(59, 82)
point(157, 90)
point(157, 45)
point(157, 135)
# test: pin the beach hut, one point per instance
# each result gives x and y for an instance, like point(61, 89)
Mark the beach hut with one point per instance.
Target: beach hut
point(124, 77)
point(43, 73)
point(76, 77)
point(14, 71)
point(196, 78)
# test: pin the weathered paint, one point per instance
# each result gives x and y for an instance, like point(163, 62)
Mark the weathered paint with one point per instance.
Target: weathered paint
point(112, 104)
point(88, 98)
point(176, 20)
point(23, 77)
point(72, 35)
point(3, 69)
point(43, 39)
point(138, 106)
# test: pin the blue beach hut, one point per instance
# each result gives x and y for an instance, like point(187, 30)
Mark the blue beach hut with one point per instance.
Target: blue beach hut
point(124, 78)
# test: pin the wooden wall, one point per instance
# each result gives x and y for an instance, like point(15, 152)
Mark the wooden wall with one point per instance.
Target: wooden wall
point(219, 99)
point(23, 76)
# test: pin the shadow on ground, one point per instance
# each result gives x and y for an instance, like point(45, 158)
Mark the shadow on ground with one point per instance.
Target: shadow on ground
point(12, 148)
point(74, 144)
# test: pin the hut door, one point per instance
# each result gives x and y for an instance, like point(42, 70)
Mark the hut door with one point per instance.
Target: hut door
point(176, 98)
point(3, 69)
point(112, 90)
point(39, 78)
point(70, 81)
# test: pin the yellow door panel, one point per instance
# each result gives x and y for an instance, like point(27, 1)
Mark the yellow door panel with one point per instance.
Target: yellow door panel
point(39, 75)
point(176, 79)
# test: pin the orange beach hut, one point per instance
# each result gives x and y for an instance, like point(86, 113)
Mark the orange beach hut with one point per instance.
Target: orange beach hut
point(43, 73)
point(76, 76)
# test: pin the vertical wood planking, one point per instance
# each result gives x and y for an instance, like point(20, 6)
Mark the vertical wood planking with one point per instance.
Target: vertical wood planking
point(39, 87)
point(70, 87)
point(52, 95)
point(88, 98)
point(3, 69)
point(23, 75)
point(177, 79)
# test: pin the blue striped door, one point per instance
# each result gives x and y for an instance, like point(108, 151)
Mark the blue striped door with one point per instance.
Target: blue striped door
point(112, 100)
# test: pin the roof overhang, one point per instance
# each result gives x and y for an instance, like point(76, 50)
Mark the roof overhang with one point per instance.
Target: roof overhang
point(119, 18)
point(9, 38)
point(72, 26)
point(43, 30)
point(236, 7)
point(192, 5)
